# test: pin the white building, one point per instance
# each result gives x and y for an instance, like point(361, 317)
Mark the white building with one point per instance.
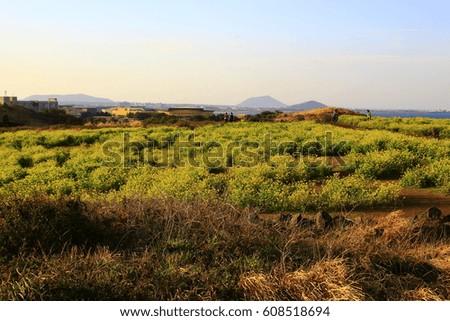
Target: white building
point(8, 100)
point(36, 105)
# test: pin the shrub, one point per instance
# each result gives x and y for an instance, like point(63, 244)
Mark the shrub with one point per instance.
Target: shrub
point(25, 161)
point(302, 197)
point(388, 164)
point(61, 157)
point(434, 174)
point(436, 128)
point(353, 191)
point(256, 192)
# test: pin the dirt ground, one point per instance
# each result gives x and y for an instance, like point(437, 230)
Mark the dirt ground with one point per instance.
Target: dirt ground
point(415, 201)
point(412, 202)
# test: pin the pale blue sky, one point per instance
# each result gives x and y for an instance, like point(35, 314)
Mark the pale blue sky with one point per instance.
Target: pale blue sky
point(368, 54)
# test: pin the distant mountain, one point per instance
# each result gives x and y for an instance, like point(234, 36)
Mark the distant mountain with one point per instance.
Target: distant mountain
point(261, 102)
point(73, 99)
point(312, 104)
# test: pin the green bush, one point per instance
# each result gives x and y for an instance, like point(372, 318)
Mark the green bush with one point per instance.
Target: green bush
point(436, 128)
point(356, 191)
point(256, 187)
point(389, 164)
point(435, 174)
point(61, 157)
point(303, 198)
point(25, 161)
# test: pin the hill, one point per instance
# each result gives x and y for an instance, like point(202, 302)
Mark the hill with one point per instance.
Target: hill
point(261, 102)
point(312, 104)
point(11, 116)
point(319, 114)
point(76, 99)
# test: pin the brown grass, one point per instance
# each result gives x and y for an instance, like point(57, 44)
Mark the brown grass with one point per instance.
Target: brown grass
point(325, 280)
point(167, 249)
point(421, 294)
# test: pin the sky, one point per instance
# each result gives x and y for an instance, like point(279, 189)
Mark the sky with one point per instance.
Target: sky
point(355, 54)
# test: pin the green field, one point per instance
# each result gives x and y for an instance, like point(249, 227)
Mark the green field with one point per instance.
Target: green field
point(269, 166)
point(163, 212)
point(418, 126)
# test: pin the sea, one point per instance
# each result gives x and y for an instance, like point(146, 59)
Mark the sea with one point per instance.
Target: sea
point(410, 113)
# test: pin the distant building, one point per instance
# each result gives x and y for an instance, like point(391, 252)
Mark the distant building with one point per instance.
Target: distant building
point(8, 100)
point(124, 111)
point(39, 105)
point(79, 112)
point(187, 112)
point(36, 105)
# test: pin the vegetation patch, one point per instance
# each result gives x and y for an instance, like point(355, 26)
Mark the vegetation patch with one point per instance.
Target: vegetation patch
point(220, 212)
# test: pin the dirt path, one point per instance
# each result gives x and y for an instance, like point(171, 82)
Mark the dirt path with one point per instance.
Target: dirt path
point(415, 201)
point(412, 202)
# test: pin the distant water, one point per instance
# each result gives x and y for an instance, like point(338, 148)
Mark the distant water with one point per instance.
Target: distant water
point(383, 113)
point(411, 113)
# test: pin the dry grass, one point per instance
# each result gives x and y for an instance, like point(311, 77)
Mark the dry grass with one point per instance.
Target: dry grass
point(421, 294)
point(395, 226)
point(259, 286)
point(167, 249)
point(325, 280)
